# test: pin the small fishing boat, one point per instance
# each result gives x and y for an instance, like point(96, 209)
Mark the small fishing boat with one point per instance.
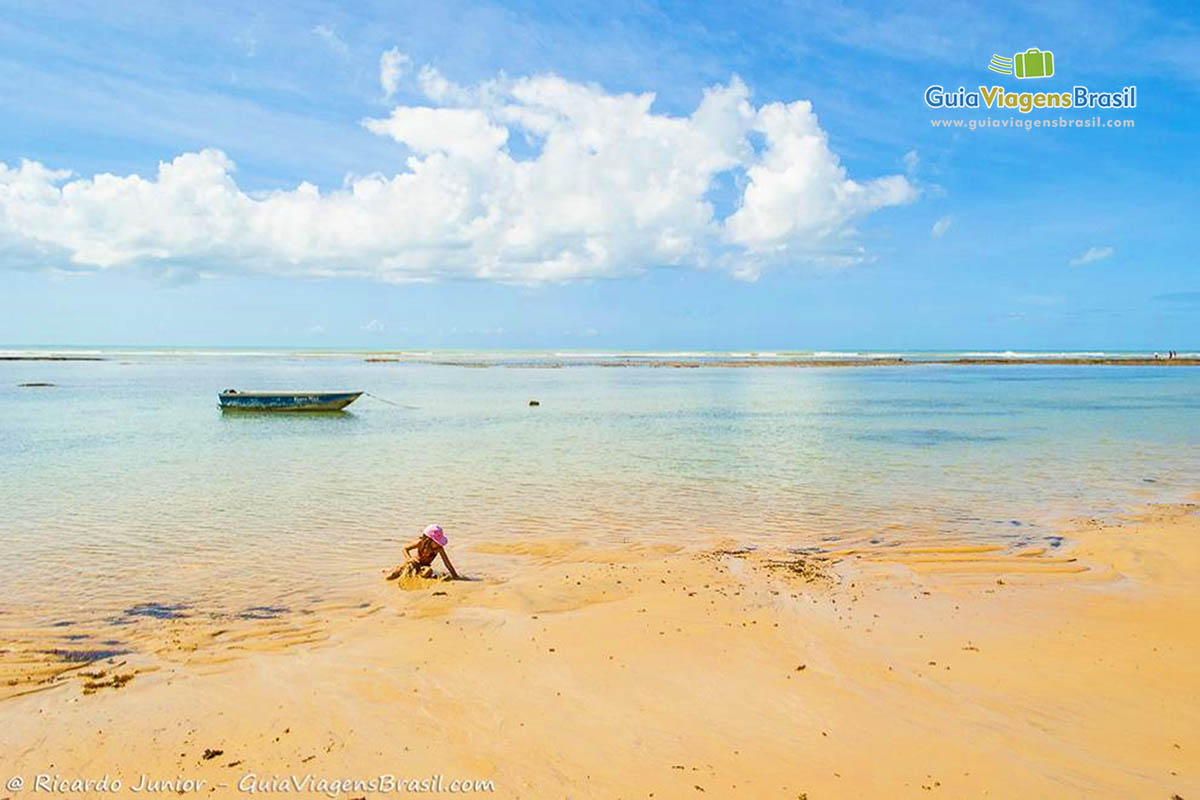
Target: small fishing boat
point(233, 400)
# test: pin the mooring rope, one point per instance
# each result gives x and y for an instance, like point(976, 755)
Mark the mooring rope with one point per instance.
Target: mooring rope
point(389, 402)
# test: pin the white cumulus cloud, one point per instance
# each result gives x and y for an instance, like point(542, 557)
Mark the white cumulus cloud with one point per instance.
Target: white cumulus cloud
point(611, 188)
point(461, 132)
point(1093, 254)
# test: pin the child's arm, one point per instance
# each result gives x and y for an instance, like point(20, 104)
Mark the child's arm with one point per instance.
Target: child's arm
point(446, 561)
point(412, 546)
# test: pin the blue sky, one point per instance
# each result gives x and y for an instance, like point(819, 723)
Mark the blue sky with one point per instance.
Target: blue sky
point(283, 92)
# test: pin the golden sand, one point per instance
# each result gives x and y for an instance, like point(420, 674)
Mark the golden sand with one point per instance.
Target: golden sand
point(958, 670)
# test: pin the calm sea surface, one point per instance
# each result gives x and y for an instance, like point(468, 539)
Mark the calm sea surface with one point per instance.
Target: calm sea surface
point(124, 484)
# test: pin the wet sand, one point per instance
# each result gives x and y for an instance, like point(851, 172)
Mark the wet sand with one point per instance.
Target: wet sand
point(954, 670)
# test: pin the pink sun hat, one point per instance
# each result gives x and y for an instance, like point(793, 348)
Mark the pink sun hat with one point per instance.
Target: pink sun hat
point(435, 532)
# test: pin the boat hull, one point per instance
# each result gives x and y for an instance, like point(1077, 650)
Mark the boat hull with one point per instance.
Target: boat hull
point(286, 401)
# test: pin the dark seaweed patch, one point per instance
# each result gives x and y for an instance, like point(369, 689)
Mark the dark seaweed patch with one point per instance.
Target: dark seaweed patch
point(157, 610)
point(263, 612)
point(85, 656)
point(741, 551)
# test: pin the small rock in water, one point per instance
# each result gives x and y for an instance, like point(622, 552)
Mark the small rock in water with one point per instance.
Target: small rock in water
point(533, 403)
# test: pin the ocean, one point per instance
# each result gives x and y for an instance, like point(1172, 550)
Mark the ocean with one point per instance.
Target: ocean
point(124, 487)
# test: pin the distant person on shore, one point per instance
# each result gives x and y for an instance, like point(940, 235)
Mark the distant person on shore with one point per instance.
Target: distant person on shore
point(430, 545)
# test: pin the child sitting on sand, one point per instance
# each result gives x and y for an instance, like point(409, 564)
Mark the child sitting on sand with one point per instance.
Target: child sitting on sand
point(431, 544)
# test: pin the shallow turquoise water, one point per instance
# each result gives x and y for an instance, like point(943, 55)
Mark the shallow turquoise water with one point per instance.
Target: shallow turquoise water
point(124, 484)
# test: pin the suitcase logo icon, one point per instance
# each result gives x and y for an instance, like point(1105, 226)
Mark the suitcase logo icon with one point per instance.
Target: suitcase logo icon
point(1033, 63)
